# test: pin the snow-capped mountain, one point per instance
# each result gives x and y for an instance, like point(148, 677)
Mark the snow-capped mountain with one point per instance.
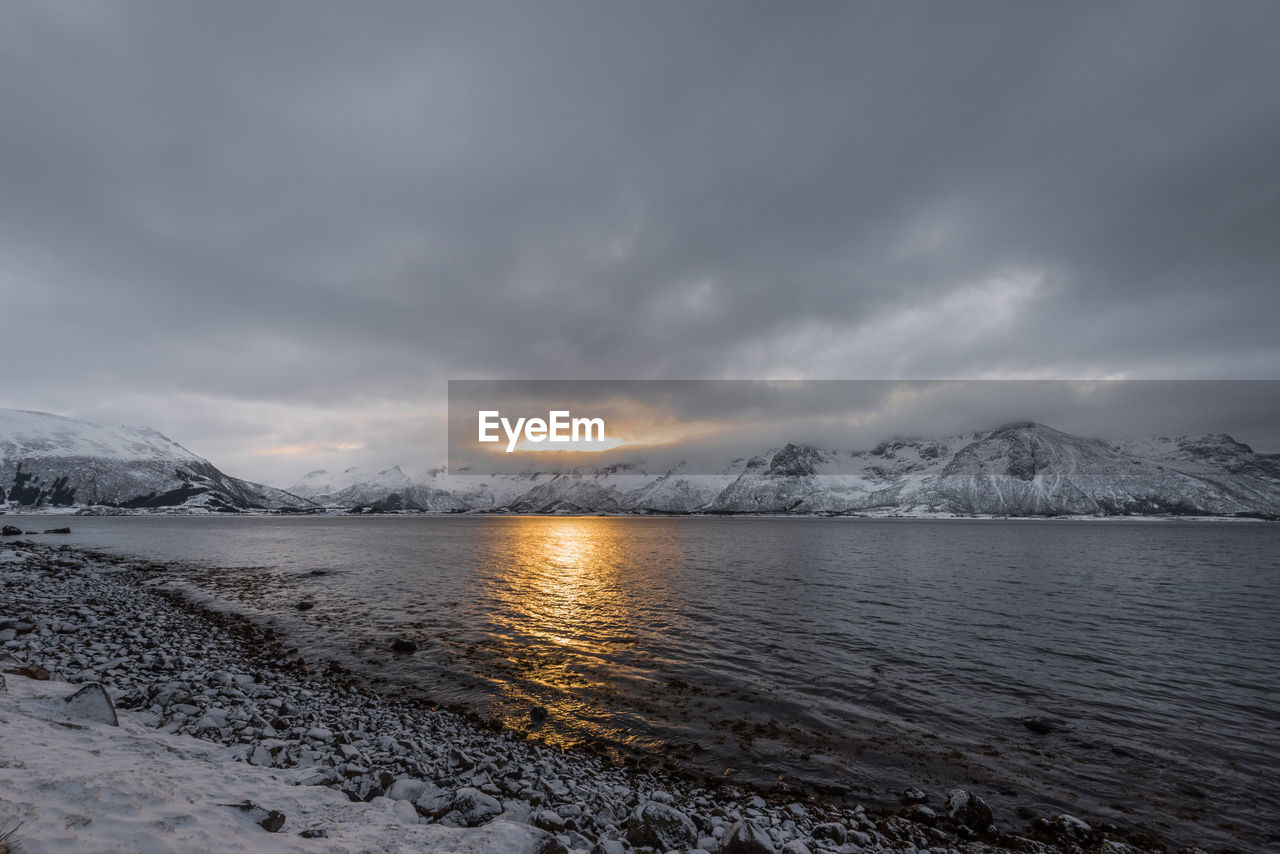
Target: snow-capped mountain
point(389, 489)
point(1021, 469)
point(50, 461)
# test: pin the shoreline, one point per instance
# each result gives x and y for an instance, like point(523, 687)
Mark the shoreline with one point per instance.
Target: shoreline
point(188, 669)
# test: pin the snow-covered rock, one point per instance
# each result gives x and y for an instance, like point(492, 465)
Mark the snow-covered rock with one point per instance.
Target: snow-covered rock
point(92, 703)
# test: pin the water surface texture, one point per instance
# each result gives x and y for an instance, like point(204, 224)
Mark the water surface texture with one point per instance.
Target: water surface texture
point(852, 655)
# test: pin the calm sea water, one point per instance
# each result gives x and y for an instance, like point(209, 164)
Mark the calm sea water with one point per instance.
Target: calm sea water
point(864, 655)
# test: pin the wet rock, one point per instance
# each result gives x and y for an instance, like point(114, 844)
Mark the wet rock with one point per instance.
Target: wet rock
point(403, 645)
point(538, 713)
point(305, 606)
point(269, 820)
point(1063, 828)
point(10, 531)
point(830, 831)
point(968, 810)
point(314, 833)
point(920, 814)
point(660, 826)
point(92, 703)
point(914, 796)
point(1040, 726)
point(58, 531)
point(746, 837)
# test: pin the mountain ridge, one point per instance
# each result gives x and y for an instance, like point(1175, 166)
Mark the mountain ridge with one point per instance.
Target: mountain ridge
point(48, 462)
point(1020, 469)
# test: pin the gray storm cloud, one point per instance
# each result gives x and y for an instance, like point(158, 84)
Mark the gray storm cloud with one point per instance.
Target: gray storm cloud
point(273, 230)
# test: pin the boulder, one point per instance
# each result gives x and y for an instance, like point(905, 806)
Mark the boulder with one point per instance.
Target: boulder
point(403, 645)
point(1063, 828)
point(269, 820)
point(406, 789)
point(920, 814)
point(968, 810)
point(10, 531)
point(37, 673)
point(831, 831)
point(660, 826)
point(92, 703)
point(405, 812)
point(746, 837)
point(795, 846)
point(469, 808)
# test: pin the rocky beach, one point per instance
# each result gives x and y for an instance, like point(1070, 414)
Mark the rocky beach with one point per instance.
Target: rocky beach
point(376, 773)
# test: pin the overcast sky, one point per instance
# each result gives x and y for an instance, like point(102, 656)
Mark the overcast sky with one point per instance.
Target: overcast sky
point(272, 231)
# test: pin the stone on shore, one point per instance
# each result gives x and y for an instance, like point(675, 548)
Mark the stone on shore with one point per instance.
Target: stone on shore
point(406, 789)
point(914, 796)
point(269, 820)
point(830, 831)
point(92, 703)
point(1063, 828)
point(37, 673)
point(10, 531)
point(746, 837)
point(660, 826)
point(968, 810)
point(469, 807)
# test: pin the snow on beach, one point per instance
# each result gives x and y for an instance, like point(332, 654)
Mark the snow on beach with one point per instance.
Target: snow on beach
point(213, 713)
point(77, 784)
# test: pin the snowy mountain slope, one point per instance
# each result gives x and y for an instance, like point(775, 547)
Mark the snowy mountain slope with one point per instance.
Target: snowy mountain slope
point(390, 489)
point(1032, 469)
point(353, 480)
point(1018, 469)
point(50, 461)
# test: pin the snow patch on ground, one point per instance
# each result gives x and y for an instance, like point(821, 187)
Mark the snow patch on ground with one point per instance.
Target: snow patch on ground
point(83, 786)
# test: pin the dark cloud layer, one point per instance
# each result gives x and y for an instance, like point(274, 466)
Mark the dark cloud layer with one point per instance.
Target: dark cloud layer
point(282, 226)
